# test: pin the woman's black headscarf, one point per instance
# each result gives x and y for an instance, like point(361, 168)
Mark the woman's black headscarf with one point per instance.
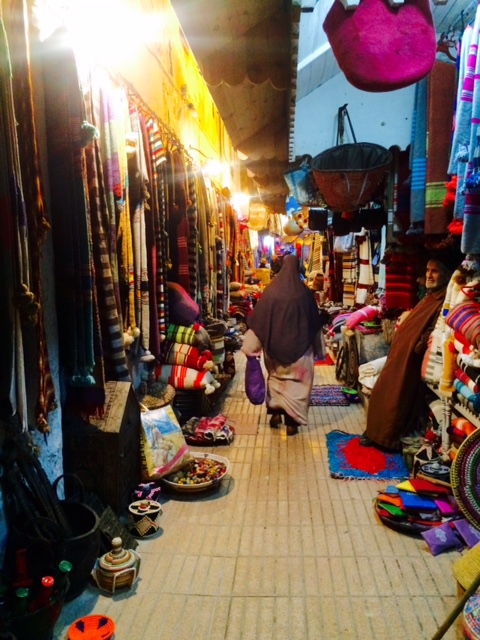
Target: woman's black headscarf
point(285, 318)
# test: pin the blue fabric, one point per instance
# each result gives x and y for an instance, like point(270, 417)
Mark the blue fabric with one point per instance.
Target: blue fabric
point(418, 157)
point(394, 467)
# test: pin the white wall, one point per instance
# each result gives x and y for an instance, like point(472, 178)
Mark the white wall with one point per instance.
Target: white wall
point(380, 118)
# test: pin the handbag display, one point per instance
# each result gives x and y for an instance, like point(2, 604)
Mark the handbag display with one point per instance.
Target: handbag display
point(254, 381)
point(382, 48)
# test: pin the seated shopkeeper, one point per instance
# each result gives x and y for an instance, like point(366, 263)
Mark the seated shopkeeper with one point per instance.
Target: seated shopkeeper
point(398, 396)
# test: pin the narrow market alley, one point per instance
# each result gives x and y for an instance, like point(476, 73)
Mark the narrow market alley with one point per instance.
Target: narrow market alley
point(279, 550)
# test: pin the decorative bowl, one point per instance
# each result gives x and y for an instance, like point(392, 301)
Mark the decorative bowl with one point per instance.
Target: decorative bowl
point(95, 627)
point(143, 517)
point(206, 470)
point(350, 394)
point(117, 569)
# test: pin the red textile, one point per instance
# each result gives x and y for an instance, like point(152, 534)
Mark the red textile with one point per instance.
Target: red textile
point(401, 282)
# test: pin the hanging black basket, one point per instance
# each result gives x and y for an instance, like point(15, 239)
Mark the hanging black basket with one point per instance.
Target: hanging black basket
point(347, 175)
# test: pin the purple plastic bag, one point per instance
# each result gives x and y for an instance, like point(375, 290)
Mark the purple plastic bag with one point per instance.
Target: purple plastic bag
point(254, 381)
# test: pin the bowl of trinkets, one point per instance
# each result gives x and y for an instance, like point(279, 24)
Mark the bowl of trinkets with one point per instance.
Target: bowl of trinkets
point(204, 471)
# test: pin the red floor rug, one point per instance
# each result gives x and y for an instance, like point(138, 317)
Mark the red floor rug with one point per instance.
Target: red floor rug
point(349, 461)
point(327, 361)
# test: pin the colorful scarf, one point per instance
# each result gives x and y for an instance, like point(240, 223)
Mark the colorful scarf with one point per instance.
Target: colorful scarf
point(112, 354)
point(159, 250)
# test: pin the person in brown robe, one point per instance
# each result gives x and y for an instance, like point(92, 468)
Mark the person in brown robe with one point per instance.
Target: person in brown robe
point(398, 394)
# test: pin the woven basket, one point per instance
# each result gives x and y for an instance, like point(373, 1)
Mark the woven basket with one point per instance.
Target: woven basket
point(464, 478)
point(467, 567)
point(158, 395)
point(94, 627)
point(347, 175)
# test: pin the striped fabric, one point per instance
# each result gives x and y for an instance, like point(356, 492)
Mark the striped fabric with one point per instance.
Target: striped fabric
point(473, 373)
point(188, 356)
point(218, 349)
point(365, 272)
point(185, 378)
point(401, 282)
point(418, 153)
point(114, 357)
point(192, 215)
point(432, 364)
point(184, 335)
point(463, 377)
point(464, 318)
point(195, 335)
point(461, 137)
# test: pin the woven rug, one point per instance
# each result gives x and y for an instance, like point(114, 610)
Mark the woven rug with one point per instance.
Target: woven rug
point(347, 460)
point(324, 395)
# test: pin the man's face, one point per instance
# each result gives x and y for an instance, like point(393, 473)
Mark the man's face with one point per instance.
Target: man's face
point(436, 275)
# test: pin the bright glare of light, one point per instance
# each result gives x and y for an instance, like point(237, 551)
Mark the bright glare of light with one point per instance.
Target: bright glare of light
point(212, 168)
point(268, 242)
point(240, 202)
point(104, 30)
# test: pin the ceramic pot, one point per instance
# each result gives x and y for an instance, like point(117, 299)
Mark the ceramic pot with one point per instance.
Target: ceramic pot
point(143, 517)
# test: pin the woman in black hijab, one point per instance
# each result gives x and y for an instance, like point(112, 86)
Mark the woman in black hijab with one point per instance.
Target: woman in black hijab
point(286, 325)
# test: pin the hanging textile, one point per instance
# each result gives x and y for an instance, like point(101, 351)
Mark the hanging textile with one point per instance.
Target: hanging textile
point(349, 276)
point(203, 241)
point(178, 221)
point(109, 122)
point(418, 154)
point(112, 357)
point(64, 114)
point(155, 236)
point(36, 221)
point(192, 215)
point(316, 261)
point(458, 163)
point(12, 378)
point(441, 85)
point(138, 199)
point(365, 269)
point(401, 281)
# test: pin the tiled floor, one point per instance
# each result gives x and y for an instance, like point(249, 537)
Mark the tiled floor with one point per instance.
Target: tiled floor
point(280, 551)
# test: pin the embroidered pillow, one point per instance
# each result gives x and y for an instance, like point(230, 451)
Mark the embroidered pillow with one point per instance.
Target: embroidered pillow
point(465, 319)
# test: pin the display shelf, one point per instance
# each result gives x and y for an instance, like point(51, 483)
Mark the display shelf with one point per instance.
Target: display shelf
point(474, 418)
point(452, 406)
